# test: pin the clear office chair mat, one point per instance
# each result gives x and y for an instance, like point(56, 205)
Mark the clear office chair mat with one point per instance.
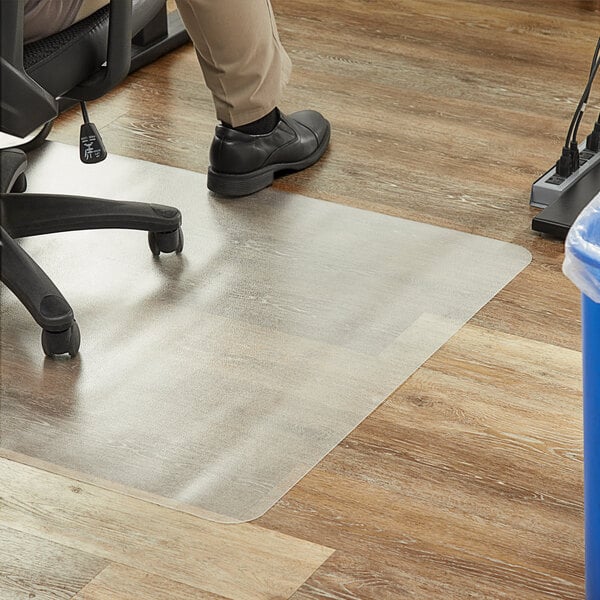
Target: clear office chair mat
point(216, 379)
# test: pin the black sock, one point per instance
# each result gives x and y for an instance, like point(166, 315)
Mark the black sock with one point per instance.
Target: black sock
point(261, 126)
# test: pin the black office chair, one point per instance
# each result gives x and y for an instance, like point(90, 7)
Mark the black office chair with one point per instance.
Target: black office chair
point(36, 81)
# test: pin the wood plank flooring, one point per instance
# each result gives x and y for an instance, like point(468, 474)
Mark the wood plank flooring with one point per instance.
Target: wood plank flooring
point(467, 482)
point(246, 562)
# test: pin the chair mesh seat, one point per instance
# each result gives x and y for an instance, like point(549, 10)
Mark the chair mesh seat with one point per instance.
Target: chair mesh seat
point(36, 52)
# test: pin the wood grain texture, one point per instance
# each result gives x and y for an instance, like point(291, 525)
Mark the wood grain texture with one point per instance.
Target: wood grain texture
point(32, 567)
point(467, 483)
point(451, 489)
point(245, 562)
point(118, 582)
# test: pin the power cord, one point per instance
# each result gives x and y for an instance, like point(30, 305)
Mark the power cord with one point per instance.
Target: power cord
point(574, 127)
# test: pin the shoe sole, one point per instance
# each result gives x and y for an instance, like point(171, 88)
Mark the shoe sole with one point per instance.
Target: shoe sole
point(248, 183)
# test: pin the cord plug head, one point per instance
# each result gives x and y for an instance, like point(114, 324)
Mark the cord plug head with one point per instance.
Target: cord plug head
point(592, 142)
point(574, 150)
point(564, 165)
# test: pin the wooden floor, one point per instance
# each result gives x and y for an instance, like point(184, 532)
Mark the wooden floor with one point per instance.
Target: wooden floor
point(467, 482)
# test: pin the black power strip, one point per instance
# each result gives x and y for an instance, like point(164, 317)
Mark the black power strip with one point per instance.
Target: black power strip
point(551, 186)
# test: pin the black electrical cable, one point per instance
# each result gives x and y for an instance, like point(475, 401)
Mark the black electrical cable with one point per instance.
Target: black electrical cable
point(572, 135)
point(582, 111)
point(576, 120)
point(84, 112)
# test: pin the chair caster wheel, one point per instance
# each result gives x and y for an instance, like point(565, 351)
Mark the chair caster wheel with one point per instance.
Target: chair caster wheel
point(171, 241)
point(20, 184)
point(61, 342)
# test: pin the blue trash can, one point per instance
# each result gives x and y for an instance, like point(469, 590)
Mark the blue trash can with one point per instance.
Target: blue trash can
point(582, 266)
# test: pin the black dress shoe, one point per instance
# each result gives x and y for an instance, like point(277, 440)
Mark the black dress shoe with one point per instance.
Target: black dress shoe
point(241, 164)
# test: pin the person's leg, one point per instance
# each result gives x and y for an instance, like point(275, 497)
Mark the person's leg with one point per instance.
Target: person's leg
point(89, 7)
point(243, 61)
point(246, 69)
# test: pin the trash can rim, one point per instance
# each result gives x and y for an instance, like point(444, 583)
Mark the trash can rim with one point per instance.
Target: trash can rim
point(578, 243)
point(580, 254)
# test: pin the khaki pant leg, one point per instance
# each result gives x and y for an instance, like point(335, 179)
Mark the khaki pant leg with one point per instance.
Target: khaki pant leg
point(89, 7)
point(244, 64)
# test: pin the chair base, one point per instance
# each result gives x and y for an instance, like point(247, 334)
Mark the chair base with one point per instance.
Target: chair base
point(36, 214)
